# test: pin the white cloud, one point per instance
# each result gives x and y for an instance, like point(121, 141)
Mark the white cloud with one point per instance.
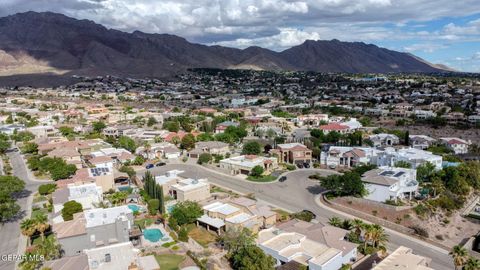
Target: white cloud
point(424, 47)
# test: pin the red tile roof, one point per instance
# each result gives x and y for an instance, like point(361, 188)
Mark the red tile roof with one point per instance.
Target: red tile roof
point(333, 126)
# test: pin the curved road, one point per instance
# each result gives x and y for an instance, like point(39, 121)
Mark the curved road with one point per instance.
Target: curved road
point(298, 193)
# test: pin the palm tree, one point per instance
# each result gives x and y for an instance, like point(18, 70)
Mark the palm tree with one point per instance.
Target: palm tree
point(49, 248)
point(28, 227)
point(118, 197)
point(346, 224)
point(335, 221)
point(357, 226)
point(379, 237)
point(368, 235)
point(459, 255)
point(472, 264)
point(41, 224)
point(148, 148)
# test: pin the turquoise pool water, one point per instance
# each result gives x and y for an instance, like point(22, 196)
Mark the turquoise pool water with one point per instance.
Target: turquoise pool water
point(170, 208)
point(124, 188)
point(152, 235)
point(134, 207)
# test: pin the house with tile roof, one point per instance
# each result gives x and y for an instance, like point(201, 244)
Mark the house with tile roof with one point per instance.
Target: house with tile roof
point(293, 153)
point(456, 145)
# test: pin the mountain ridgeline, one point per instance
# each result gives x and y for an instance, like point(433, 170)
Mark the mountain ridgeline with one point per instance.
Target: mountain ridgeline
point(50, 43)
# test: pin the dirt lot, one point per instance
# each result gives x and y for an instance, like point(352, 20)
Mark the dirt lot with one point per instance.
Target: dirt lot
point(472, 134)
point(447, 230)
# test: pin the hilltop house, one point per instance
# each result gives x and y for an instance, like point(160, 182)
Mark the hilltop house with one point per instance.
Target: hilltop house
point(390, 183)
point(384, 139)
point(456, 145)
point(415, 157)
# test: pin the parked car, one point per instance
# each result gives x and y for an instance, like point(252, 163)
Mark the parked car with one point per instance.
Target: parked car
point(149, 166)
point(282, 179)
point(306, 165)
point(160, 164)
point(300, 165)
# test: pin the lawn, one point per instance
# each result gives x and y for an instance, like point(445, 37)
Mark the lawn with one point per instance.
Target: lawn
point(201, 235)
point(264, 178)
point(144, 222)
point(169, 261)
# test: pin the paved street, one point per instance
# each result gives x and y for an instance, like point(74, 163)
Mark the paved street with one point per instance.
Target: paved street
point(298, 193)
point(10, 231)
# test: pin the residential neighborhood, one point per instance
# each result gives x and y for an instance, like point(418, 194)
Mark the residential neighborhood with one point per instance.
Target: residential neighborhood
point(146, 174)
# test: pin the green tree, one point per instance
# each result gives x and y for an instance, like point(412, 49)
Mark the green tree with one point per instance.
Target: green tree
point(151, 121)
point(186, 212)
point(472, 264)
point(46, 189)
point(4, 146)
point(118, 197)
point(252, 258)
point(172, 126)
point(153, 206)
point(183, 234)
point(252, 148)
point(205, 137)
point(28, 227)
point(41, 224)
point(139, 160)
point(23, 136)
point(66, 131)
point(30, 148)
point(70, 208)
point(459, 255)
point(98, 126)
point(425, 172)
point(204, 158)
point(9, 186)
point(256, 171)
point(335, 221)
point(128, 170)
point(127, 143)
point(188, 142)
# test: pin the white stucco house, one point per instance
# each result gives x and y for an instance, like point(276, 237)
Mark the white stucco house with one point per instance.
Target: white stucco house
point(390, 183)
point(415, 157)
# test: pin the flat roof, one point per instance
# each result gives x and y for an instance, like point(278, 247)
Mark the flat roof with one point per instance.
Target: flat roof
point(100, 216)
point(214, 222)
point(222, 208)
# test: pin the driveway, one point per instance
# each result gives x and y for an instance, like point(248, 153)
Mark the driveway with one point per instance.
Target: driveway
point(298, 193)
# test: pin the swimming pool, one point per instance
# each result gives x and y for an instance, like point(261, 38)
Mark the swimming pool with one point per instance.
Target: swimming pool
point(152, 235)
point(124, 188)
point(134, 207)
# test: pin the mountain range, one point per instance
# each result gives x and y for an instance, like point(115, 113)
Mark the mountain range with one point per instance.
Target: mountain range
point(33, 43)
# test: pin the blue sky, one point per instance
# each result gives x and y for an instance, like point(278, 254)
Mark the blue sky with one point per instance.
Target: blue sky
point(440, 31)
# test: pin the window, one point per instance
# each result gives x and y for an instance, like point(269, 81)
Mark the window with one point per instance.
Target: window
point(108, 257)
